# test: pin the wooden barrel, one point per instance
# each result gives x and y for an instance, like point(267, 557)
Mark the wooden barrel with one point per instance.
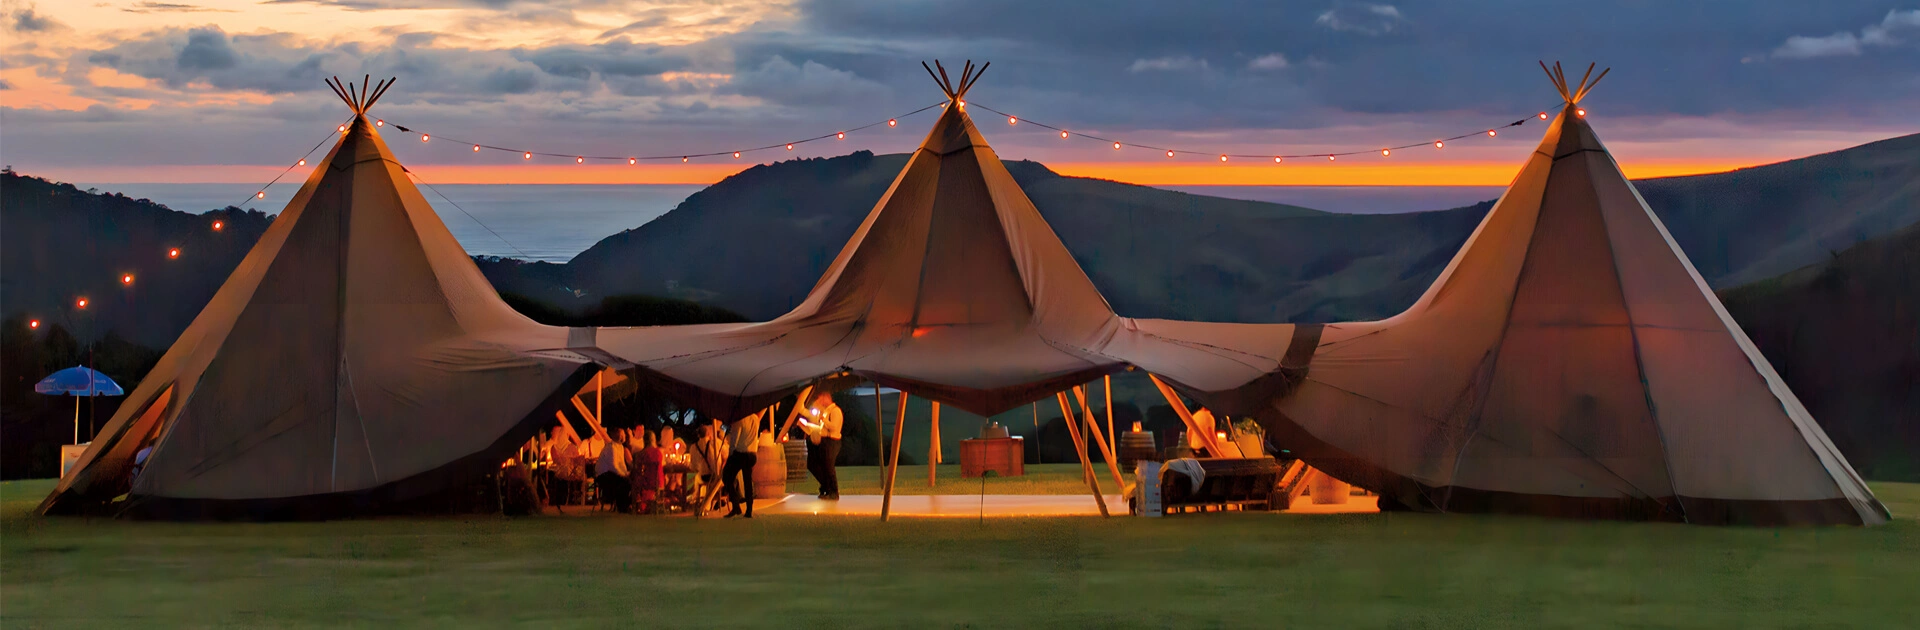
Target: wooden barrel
point(796, 454)
point(1134, 447)
point(770, 471)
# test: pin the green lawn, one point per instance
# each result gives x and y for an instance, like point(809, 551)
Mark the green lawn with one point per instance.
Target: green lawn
point(1213, 570)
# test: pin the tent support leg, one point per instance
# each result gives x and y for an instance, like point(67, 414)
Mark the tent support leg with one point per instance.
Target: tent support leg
point(1094, 428)
point(933, 446)
point(1180, 408)
point(1080, 448)
point(899, 425)
point(798, 404)
point(1113, 447)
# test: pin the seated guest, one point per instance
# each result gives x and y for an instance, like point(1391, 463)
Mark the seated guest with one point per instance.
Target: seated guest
point(610, 476)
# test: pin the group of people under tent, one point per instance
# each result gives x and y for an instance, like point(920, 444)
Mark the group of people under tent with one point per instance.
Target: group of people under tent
point(654, 472)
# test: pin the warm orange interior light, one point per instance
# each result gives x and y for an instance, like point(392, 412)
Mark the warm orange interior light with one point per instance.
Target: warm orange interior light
point(219, 224)
point(173, 253)
point(126, 279)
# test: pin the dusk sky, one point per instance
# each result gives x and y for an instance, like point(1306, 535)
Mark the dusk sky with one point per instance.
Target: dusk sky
point(231, 91)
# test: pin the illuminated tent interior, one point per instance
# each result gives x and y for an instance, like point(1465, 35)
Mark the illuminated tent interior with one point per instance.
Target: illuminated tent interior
point(356, 358)
point(1568, 361)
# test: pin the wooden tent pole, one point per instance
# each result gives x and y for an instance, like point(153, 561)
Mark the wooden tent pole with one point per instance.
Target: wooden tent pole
point(599, 393)
point(568, 426)
point(899, 424)
point(798, 404)
point(592, 420)
point(1180, 408)
point(1086, 467)
point(1094, 428)
point(879, 429)
point(1113, 446)
point(933, 446)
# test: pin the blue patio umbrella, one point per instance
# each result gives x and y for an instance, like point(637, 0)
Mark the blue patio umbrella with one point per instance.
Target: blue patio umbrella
point(77, 382)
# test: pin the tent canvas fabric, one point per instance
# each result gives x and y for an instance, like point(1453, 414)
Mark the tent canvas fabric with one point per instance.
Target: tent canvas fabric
point(1568, 361)
point(953, 288)
point(356, 357)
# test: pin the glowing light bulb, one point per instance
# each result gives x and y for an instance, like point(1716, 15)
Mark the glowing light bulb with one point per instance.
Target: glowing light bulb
point(1063, 135)
point(1116, 146)
point(1013, 120)
point(1223, 158)
point(173, 253)
point(341, 129)
point(80, 303)
point(217, 225)
point(379, 123)
point(789, 146)
point(632, 161)
point(1276, 159)
point(840, 136)
point(260, 195)
point(1329, 158)
point(963, 105)
point(425, 137)
point(33, 323)
point(1543, 115)
point(1580, 112)
point(580, 160)
point(736, 155)
point(891, 122)
point(526, 156)
point(1439, 144)
point(1169, 153)
point(1386, 152)
point(1491, 133)
point(126, 278)
point(476, 148)
point(683, 159)
point(302, 162)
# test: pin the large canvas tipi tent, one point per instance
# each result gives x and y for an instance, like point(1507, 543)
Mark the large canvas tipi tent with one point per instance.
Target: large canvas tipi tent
point(1569, 361)
point(354, 359)
point(953, 288)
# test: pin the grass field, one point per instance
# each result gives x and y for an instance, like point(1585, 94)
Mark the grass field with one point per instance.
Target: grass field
point(1211, 570)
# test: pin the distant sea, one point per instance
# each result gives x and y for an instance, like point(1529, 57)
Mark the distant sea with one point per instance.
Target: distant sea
point(556, 222)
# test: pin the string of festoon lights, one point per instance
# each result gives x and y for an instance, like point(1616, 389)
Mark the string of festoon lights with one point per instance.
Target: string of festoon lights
point(894, 122)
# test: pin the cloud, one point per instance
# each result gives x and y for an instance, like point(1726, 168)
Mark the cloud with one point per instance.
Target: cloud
point(29, 20)
point(169, 7)
point(810, 83)
point(1167, 64)
point(1887, 33)
point(1273, 61)
point(1362, 18)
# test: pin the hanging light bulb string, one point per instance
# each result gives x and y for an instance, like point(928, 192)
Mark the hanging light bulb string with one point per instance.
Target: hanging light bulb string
point(262, 192)
point(579, 158)
point(456, 205)
point(1170, 151)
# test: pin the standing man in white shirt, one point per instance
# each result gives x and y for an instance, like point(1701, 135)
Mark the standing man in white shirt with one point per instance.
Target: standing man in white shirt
point(822, 426)
point(744, 434)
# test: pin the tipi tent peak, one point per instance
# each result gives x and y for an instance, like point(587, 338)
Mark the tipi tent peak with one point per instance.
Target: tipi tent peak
point(968, 77)
point(355, 359)
point(1579, 91)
